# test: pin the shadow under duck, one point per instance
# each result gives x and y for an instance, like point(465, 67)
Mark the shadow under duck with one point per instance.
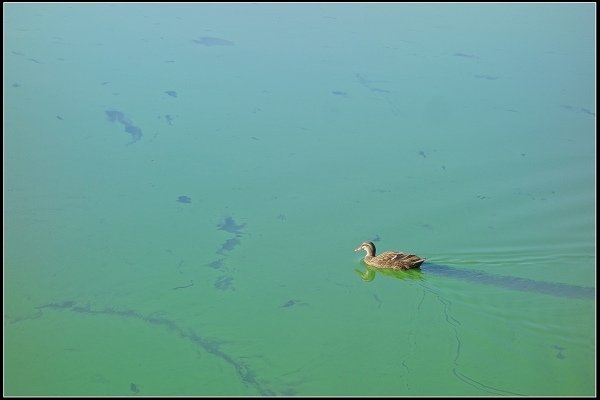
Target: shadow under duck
point(389, 259)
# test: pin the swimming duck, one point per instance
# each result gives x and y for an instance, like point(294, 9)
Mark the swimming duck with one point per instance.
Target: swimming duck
point(389, 259)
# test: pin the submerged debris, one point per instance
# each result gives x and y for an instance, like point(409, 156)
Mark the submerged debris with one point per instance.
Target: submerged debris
point(229, 225)
point(184, 199)
point(135, 388)
point(224, 282)
point(217, 264)
point(293, 302)
point(213, 41)
point(229, 245)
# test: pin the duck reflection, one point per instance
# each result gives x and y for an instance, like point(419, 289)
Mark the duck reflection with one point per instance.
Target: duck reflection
point(369, 273)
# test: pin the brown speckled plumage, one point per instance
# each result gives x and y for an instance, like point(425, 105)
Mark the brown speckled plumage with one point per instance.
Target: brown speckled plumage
point(389, 259)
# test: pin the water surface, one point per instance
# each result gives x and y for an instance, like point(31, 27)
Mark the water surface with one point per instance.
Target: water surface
point(185, 184)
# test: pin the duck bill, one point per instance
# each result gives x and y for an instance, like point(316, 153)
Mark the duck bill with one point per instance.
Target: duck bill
point(358, 249)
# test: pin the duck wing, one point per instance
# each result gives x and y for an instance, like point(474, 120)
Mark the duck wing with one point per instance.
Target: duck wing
point(399, 259)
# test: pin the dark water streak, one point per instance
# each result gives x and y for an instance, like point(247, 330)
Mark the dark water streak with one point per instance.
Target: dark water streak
point(185, 286)
point(511, 282)
point(384, 93)
point(118, 116)
point(246, 375)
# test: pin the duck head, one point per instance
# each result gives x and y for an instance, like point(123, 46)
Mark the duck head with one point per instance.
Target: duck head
point(369, 247)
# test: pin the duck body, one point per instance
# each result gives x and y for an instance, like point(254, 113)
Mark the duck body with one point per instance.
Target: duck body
point(389, 259)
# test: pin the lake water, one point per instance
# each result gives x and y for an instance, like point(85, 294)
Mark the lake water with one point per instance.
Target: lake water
point(185, 185)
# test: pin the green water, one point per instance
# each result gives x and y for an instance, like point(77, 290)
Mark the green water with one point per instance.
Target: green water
point(462, 133)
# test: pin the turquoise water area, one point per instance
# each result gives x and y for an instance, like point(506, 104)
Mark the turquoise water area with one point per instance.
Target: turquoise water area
point(185, 185)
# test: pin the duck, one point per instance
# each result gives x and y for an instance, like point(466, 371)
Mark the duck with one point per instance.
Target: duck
point(389, 259)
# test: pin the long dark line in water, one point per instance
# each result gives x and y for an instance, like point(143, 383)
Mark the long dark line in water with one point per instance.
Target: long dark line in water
point(511, 282)
point(246, 375)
